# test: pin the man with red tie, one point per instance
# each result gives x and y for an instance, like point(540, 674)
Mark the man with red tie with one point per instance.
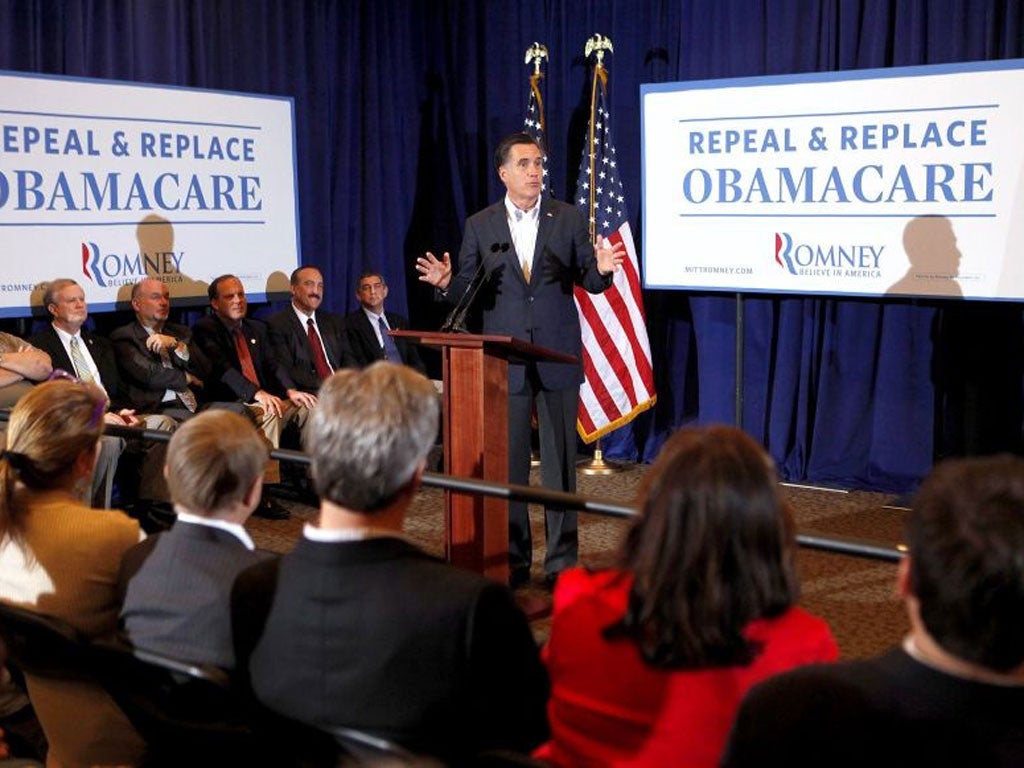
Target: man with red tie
point(243, 365)
point(244, 369)
point(307, 341)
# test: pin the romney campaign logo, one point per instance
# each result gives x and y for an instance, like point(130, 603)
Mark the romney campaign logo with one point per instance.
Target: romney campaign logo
point(828, 259)
point(113, 268)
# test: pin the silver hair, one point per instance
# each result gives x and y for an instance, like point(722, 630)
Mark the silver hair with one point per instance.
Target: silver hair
point(54, 287)
point(370, 432)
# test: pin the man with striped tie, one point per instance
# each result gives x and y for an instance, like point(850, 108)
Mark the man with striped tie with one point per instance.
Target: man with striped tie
point(90, 358)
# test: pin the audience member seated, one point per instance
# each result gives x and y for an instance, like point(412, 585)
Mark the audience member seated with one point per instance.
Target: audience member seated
point(365, 630)
point(60, 557)
point(90, 357)
point(308, 341)
point(243, 366)
point(953, 694)
point(246, 370)
point(367, 328)
point(161, 368)
point(178, 583)
point(648, 662)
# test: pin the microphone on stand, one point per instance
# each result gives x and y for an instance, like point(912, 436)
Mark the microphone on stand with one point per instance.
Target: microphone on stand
point(456, 320)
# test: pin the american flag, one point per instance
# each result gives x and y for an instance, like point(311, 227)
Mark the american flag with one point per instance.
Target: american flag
point(618, 378)
point(533, 124)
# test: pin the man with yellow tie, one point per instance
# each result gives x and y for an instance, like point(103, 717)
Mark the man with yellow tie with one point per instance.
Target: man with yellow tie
point(90, 357)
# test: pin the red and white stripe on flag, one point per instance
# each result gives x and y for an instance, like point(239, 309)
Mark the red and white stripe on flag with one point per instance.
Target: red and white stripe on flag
point(618, 377)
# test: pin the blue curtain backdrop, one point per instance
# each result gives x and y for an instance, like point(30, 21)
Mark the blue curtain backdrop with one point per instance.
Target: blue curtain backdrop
point(398, 104)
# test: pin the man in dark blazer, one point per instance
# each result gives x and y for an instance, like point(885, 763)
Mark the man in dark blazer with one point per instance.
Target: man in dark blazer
point(368, 339)
point(530, 251)
point(307, 341)
point(357, 627)
point(177, 584)
point(64, 340)
point(242, 364)
point(162, 369)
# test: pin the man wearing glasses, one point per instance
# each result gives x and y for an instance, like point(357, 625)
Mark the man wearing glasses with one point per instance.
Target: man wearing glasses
point(367, 328)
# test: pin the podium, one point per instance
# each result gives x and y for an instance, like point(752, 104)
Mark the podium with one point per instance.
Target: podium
point(475, 422)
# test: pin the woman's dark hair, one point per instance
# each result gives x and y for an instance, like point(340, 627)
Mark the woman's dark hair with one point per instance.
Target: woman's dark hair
point(711, 551)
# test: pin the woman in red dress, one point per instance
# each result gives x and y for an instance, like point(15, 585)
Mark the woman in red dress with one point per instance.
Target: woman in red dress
point(649, 662)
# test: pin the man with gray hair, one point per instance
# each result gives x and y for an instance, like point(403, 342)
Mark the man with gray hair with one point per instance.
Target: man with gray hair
point(90, 358)
point(359, 627)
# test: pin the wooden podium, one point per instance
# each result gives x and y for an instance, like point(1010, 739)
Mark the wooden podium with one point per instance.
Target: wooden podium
point(476, 439)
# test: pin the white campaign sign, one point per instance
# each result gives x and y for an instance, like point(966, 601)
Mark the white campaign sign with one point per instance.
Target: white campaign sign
point(107, 182)
point(902, 182)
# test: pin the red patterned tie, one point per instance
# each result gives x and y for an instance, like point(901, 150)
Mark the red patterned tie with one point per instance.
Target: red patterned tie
point(244, 356)
point(323, 368)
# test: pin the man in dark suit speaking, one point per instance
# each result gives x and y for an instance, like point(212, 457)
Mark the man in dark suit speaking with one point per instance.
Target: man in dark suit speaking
point(532, 250)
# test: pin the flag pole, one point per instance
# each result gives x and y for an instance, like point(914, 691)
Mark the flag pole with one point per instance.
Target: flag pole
point(596, 46)
point(536, 54)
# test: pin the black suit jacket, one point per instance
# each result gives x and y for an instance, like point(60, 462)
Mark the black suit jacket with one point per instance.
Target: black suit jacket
point(542, 311)
point(289, 340)
point(226, 381)
point(145, 377)
point(377, 635)
point(102, 352)
point(364, 348)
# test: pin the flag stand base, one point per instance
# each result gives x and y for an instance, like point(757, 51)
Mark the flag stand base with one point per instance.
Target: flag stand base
point(598, 466)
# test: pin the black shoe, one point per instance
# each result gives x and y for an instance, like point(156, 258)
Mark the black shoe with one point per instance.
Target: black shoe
point(271, 510)
point(518, 577)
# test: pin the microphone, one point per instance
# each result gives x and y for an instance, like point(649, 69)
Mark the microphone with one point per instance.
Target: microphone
point(456, 320)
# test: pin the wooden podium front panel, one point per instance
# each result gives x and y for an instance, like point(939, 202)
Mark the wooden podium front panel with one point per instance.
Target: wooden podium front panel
point(476, 445)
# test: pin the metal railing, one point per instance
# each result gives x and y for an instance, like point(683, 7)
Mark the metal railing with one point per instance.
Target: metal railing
point(840, 545)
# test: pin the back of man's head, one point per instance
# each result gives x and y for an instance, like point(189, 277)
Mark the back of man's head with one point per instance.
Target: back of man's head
point(369, 434)
point(213, 460)
point(966, 540)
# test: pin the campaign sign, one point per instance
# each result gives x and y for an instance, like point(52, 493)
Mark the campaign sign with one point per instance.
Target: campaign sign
point(109, 182)
point(898, 182)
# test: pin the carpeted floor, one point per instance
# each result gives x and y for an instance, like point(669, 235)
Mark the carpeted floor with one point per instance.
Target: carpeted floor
point(856, 596)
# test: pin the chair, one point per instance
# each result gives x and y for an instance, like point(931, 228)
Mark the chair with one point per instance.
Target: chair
point(364, 750)
point(44, 645)
point(190, 714)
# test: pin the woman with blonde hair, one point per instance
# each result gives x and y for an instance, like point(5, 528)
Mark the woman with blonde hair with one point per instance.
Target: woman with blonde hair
point(60, 557)
point(648, 661)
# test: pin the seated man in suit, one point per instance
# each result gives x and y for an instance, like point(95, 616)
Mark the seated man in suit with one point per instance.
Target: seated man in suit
point(244, 369)
point(162, 369)
point(364, 630)
point(242, 363)
point(367, 328)
point(306, 340)
point(91, 359)
point(953, 693)
point(178, 583)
